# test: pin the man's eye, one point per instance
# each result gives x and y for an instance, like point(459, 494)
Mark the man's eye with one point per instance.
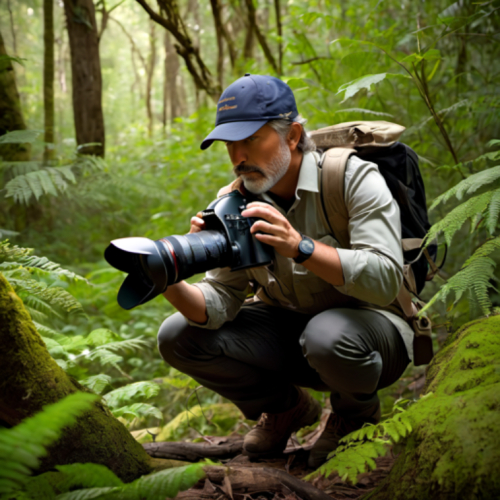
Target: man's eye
point(251, 139)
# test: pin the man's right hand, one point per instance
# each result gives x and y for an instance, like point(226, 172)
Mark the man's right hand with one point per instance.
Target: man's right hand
point(197, 223)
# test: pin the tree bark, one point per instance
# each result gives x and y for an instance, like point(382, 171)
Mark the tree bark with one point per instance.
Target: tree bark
point(48, 77)
point(86, 75)
point(11, 117)
point(172, 21)
point(171, 109)
point(31, 379)
point(149, 75)
point(454, 449)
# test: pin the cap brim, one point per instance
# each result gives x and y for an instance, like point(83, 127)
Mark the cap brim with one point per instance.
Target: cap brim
point(232, 131)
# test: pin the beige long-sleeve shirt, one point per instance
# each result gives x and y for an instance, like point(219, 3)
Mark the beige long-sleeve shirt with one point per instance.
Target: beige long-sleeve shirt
point(372, 267)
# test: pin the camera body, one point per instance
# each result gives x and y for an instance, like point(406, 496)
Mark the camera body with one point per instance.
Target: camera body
point(152, 266)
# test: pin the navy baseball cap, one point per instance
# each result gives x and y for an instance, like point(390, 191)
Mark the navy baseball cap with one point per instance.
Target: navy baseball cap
point(248, 104)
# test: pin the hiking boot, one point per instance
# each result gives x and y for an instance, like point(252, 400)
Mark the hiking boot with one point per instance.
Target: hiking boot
point(271, 433)
point(336, 428)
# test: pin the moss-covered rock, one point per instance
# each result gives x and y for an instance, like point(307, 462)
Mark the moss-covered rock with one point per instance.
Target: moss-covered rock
point(31, 379)
point(454, 450)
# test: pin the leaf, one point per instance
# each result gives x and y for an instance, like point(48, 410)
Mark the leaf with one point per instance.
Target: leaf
point(365, 82)
point(23, 445)
point(143, 390)
point(138, 410)
point(20, 136)
point(96, 383)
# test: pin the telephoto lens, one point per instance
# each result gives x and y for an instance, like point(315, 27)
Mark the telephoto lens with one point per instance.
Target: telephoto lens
point(152, 266)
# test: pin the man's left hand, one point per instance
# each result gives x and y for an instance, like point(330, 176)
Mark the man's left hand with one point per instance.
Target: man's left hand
point(279, 233)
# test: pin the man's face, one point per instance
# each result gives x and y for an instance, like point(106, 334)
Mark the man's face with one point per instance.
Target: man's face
point(261, 159)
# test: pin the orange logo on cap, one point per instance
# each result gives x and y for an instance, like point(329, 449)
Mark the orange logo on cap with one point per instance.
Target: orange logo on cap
point(226, 107)
point(227, 99)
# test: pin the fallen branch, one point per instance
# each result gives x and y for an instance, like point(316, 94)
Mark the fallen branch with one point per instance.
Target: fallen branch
point(192, 452)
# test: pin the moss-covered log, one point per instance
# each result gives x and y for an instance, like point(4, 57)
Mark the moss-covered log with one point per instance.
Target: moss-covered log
point(454, 449)
point(31, 379)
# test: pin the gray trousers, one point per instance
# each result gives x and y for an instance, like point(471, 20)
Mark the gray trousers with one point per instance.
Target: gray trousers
point(257, 359)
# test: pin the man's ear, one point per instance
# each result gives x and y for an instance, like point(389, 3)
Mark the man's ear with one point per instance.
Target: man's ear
point(294, 135)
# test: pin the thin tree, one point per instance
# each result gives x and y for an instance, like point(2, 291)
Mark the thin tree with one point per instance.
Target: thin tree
point(86, 75)
point(11, 117)
point(48, 77)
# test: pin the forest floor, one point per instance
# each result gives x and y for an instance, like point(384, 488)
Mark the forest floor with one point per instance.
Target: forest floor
point(278, 478)
point(269, 479)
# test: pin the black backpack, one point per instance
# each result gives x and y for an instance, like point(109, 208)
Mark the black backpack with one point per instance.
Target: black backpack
point(398, 164)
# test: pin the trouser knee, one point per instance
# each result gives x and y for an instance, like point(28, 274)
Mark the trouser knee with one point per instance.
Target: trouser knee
point(342, 362)
point(169, 334)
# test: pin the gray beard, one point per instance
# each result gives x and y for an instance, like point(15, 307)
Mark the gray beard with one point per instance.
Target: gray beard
point(275, 171)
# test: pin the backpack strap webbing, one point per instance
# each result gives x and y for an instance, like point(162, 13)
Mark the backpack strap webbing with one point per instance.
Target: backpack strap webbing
point(333, 167)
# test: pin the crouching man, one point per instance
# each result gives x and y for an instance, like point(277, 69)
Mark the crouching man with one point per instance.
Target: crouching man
point(321, 315)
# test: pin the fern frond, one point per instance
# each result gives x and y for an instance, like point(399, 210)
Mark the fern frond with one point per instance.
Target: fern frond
point(474, 278)
point(143, 390)
point(128, 344)
point(96, 383)
point(20, 136)
point(453, 221)
point(55, 297)
point(493, 212)
point(158, 486)
point(43, 330)
point(23, 445)
point(18, 256)
point(48, 180)
point(469, 185)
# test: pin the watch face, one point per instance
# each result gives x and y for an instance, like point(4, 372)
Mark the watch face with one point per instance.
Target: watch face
point(306, 246)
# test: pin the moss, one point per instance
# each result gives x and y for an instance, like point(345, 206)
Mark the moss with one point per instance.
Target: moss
point(454, 451)
point(31, 379)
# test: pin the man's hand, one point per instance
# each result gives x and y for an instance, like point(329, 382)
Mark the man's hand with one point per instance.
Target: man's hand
point(197, 224)
point(279, 233)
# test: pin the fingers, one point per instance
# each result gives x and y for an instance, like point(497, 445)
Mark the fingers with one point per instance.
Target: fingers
point(197, 224)
point(264, 211)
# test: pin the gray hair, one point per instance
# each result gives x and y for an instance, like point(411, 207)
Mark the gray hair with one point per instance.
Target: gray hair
point(282, 127)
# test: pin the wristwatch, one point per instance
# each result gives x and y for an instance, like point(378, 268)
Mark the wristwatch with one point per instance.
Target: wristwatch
point(306, 249)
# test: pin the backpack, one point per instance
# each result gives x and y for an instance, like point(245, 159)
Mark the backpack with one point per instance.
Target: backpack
point(376, 142)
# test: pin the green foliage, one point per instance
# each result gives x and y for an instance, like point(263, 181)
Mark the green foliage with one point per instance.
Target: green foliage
point(145, 390)
point(357, 451)
point(22, 446)
point(476, 276)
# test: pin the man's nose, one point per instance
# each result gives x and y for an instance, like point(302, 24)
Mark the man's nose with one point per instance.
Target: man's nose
point(238, 153)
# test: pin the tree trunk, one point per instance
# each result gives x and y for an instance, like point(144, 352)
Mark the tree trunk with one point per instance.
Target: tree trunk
point(31, 379)
point(86, 75)
point(150, 74)
point(48, 77)
point(11, 117)
point(454, 449)
point(170, 95)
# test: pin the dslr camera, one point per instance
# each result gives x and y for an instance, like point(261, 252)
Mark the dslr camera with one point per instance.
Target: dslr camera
point(154, 265)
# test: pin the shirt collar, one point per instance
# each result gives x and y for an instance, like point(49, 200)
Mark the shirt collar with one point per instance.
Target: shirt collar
point(308, 175)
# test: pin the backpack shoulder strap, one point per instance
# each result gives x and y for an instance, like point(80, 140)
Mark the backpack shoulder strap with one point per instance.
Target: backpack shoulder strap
point(333, 167)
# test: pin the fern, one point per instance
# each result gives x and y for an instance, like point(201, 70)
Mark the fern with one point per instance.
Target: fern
point(138, 410)
point(50, 298)
point(358, 450)
point(157, 486)
point(469, 185)
point(22, 446)
point(470, 209)
point(474, 278)
point(96, 383)
point(144, 390)
point(48, 180)
point(23, 257)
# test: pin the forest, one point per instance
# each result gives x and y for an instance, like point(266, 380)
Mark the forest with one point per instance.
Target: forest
point(103, 106)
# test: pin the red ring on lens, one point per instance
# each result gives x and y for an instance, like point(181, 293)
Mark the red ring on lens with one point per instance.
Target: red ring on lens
point(174, 258)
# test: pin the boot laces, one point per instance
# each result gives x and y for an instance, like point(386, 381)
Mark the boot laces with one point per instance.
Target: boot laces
point(266, 421)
